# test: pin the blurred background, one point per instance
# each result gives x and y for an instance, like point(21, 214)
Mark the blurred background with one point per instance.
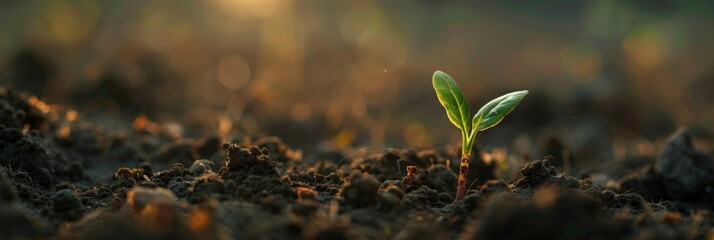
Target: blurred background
point(608, 79)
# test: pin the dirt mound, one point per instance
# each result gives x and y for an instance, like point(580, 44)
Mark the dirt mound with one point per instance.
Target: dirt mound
point(680, 175)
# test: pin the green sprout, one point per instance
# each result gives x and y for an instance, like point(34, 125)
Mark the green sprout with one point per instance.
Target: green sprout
point(457, 110)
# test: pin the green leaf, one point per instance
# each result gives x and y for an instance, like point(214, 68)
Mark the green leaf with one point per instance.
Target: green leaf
point(452, 99)
point(494, 111)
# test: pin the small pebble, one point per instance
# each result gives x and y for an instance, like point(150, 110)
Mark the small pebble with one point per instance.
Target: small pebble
point(64, 200)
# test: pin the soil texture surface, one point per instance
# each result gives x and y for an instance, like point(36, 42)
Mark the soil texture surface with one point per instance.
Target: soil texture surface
point(63, 177)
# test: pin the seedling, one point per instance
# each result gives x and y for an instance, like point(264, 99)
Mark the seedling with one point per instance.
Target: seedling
point(457, 110)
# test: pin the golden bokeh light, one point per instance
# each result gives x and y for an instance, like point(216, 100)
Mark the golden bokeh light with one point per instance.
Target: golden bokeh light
point(233, 72)
point(581, 60)
point(647, 47)
point(415, 134)
point(72, 21)
point(252, 8)
point(164, 27)
point(301, 111)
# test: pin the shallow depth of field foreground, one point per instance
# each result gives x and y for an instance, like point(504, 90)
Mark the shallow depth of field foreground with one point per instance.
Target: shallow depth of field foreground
point(287, 119)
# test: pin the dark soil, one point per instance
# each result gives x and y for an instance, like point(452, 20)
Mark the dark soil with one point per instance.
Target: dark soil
point(67, 178)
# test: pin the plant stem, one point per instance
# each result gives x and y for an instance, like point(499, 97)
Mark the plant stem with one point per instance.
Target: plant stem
point(463, 171)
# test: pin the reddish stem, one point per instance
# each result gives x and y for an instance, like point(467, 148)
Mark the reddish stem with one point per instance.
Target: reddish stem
point(463, 172)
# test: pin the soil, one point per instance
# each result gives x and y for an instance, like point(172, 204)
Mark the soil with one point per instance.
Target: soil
point(63, 177)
